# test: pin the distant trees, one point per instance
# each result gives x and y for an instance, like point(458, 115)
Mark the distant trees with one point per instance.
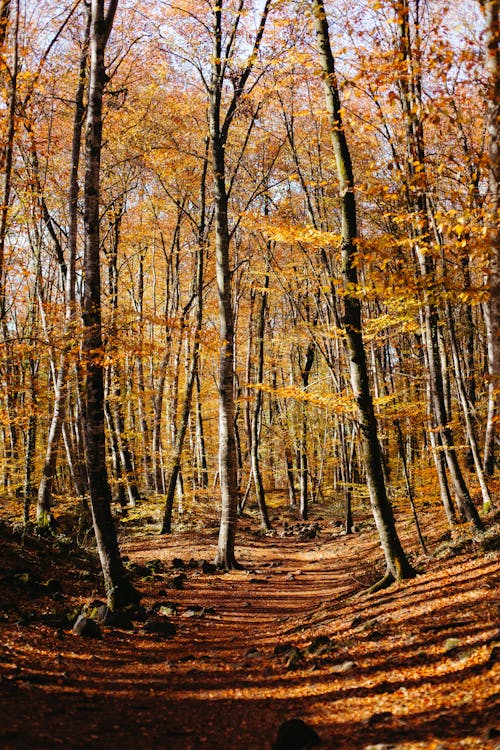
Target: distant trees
point(244, 338)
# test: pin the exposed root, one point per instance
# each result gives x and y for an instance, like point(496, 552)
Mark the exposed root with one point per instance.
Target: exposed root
point(384, 583)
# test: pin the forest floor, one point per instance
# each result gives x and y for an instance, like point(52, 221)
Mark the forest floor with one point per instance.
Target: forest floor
point(294, 635)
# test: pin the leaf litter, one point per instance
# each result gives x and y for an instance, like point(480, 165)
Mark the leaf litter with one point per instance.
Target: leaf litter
point(294, 635)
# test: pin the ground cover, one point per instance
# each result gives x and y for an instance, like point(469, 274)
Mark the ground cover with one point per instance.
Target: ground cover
point(220, 660)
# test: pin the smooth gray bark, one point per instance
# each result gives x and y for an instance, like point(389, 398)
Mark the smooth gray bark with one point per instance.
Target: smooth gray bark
point(491, 10)
point(220, 124)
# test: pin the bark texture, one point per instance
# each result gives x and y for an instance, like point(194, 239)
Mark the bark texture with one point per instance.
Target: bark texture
point(397, 563)
point(220, 124)
point(119, 591)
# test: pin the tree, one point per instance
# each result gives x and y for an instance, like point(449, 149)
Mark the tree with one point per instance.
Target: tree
point(418, 199)
point(220, 124)
point(68, 272)
point(397, 565)
point(119, 590)
point(492, 64)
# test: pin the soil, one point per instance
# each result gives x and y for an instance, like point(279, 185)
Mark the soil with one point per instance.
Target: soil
point(294, 635)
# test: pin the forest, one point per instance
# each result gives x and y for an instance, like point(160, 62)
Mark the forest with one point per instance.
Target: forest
point(249, 361)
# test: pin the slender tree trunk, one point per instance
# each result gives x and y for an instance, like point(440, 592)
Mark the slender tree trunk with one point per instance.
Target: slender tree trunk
point(490, 430)
point(29, 461)
point(397, 564)
point(141, 386)
point(257, 411)
point(8, 154)
point(124, 461)
point(491, 10)
point(219, 129)
point(228, 465)
point(119, 590)
point(7, 157)
point(200, 436)
point(409, 490)
point(305, 373)
point(194, 362)
point(466, 410)
point(410, 85)
point(69, 275)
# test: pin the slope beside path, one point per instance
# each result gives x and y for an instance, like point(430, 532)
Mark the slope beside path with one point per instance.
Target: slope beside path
point(293, 635)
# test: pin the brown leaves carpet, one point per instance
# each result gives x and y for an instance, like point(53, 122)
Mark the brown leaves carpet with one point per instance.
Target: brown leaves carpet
point(415, 666)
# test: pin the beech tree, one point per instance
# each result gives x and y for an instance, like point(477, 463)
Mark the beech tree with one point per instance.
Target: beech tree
point(68, 273)
point(119, 590)
point(397, 563)
point(220, 124)
point(492, 64)
point(417, 239)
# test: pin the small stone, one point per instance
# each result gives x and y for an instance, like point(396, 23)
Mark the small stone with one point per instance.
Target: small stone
point(155, 565)
point(282, 648)
point(346, 666)
point(492, 733)
point(138, 570)
point(103, 613)
point(295, 734)
point(87, 627)
point(53, 587)
point(192, 613)
point(293, 658)
point(119, 619)
point(451, 644)
point(379, 718)
point(178, 563)
point(24, 578)
point(207, 567)
point(167, 610)
point(494, 655)
point(319, 645)
point(160, 627)
point(177, 582)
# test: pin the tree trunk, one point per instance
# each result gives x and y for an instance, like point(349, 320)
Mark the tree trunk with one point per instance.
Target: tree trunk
point(410, 85)
point(201, 450)
point(119, 591)
point(397, 564)
point(219, 129)
point(305, 373)
point(467, 409)
point(193, 365)
point(141, 386)
point(29, 461)
point(257, 412)
point(491, 10)
point(69, 274)
point(8, 151)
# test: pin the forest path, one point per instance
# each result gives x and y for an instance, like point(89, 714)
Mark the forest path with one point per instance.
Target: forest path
point(389, 674)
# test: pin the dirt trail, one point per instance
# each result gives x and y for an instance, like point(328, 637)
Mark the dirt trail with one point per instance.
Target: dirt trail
point(389, 674)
